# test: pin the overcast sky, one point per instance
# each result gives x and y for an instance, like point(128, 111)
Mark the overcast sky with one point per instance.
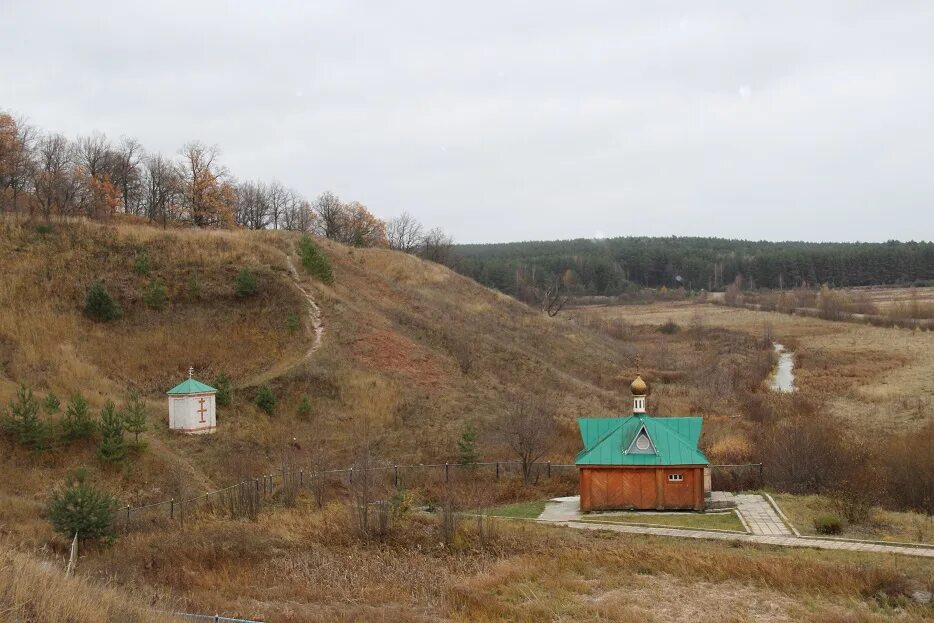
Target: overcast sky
point(510, 121)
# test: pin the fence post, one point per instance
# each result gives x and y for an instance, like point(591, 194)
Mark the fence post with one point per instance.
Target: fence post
point(497, 470)
point(172, 508)
point(127, 516)
point(396, 470)
point(301, 478)
point(447, 475)
point(760, 474)
point(350, 476)
point(549, 469)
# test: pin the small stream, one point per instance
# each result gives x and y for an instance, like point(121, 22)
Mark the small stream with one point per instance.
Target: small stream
point(783, 380)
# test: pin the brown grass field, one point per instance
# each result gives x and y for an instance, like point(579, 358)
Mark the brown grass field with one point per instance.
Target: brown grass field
point(880, 379)
point(411, 352)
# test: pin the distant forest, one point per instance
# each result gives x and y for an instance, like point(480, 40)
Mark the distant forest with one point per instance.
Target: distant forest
point(614, 266)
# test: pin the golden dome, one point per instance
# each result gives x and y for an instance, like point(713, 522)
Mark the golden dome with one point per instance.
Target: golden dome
point(638, 387)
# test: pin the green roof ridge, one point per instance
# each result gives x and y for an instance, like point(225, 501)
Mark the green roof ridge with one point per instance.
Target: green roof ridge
point(191, 386)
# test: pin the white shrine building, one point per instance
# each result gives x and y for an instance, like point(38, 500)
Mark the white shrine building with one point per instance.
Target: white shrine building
point(192, 407)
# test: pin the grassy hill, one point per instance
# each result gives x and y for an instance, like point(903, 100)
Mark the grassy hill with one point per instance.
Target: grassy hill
point(410, 352)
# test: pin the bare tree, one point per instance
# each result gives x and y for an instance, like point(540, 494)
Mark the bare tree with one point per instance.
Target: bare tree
point(127, 174)
point(437, 246)
point(551, 299)
point(17, 140)
point(329, 215)
point(252, 206)
point(54, 181)
point(161, 189)
point(530, 429)
point(404, 233)
point(278, 198)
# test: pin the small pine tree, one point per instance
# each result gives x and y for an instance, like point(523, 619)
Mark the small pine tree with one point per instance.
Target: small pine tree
point(112, 448)
point(134, 417)
point(245, 284)
point(77, 422)
point(315, 262)
point(154, 295)
point(79, 508)
point(141, 265)
point(223, 396)
point(51, 404)
point(467, 446)
point(304, 410)
point(23, 422)
point(266, 400)
point(98, 304)
point(291, 322)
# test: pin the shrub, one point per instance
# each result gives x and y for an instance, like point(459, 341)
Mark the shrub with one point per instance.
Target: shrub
point(291, 322)
point(141, 265)
point(669, 328)
point(23, 422)
point(315, 262)
point(245, 284)
point(304, 410)
point(44, 228)
point(154, 295)
point(266, 400)
point(51, 404)
point(98, 304)
point(134, 417)
point(112, 448)
point(79, 508)
point(467, 446)
point(77, 422)
point(828, 524)
point(222, 385)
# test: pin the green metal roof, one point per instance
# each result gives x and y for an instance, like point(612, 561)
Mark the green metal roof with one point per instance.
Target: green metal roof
point(191, 386)
point(606, 440)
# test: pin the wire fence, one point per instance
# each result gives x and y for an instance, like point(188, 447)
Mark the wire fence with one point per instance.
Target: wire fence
point(211, 617)
point(246, 498)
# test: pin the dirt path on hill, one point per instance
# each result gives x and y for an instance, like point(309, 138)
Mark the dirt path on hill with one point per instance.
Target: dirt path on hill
point(314, 327)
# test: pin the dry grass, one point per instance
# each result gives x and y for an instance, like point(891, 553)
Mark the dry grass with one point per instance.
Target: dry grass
point(877, 378)
point(883, 525)
point(38, 591)
point(305, 565)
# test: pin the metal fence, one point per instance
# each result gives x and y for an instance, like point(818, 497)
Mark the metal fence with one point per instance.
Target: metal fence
point(246, 498)
point(216, 618)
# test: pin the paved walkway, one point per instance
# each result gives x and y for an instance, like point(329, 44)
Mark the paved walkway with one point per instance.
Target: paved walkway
point(760, 516)
point(566, 512)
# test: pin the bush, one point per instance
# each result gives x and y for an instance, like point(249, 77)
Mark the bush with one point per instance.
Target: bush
point(98, 304)
point(78, 508)
point(828, 524)
point(134, 418)
point(77, 422)
point(669, 328)
point(266, 400)
point(315, 262)
point(141, 265)
point(304, 411)
point(291, 322)
point(23, 422)
point(154, 295)
point(113, 447)
point(222, 385)
point(245, 284)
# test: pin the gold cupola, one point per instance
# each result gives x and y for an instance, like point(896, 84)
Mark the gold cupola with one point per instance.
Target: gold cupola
point(638, 386)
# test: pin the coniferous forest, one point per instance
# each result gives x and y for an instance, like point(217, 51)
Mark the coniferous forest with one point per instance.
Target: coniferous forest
point(613, 266)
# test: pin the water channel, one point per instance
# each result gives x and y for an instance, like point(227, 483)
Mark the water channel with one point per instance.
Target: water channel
point(783, 380)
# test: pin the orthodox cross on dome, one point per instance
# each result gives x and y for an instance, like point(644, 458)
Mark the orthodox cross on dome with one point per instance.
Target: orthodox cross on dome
point(191, 371)
point(201, 409)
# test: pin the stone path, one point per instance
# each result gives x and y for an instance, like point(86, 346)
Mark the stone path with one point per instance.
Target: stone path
point(760, 516)
point(566, 512)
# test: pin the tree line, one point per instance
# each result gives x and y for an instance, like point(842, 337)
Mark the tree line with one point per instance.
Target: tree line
point(615, 266)
point(46, 175)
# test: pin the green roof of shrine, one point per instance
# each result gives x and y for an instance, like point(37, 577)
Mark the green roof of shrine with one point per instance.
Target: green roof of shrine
point(609, 441)
point(191, 386)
